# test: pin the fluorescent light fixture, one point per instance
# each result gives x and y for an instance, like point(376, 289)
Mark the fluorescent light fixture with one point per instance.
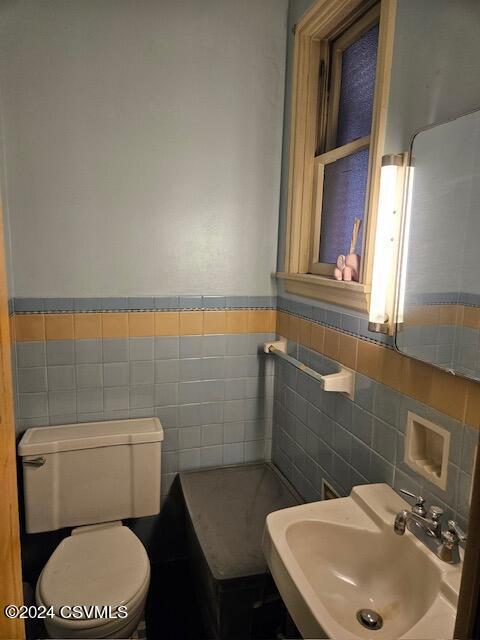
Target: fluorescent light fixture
point(405, 244)
point(386, 246)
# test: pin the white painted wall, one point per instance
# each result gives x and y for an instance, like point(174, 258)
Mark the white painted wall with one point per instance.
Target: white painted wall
point(435, 66)
point(142, 144)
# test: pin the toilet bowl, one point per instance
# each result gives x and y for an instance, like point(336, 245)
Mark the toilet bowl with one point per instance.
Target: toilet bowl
point(104, 565)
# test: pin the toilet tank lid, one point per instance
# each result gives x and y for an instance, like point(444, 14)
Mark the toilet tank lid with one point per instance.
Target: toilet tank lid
point(89, 435)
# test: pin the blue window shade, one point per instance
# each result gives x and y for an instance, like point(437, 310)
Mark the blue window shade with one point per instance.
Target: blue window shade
point(344, 191)
point(357, 87)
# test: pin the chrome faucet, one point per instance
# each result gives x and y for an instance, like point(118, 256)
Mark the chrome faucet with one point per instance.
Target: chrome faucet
point(427, 527)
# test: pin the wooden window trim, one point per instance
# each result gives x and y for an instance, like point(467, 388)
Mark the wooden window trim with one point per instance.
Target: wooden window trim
point(323, 22)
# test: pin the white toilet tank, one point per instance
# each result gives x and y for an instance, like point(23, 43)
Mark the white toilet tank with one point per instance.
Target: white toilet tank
point(81, 474)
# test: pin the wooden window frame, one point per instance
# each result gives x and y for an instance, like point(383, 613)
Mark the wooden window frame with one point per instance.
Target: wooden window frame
point(320, 162)
point(311, 132)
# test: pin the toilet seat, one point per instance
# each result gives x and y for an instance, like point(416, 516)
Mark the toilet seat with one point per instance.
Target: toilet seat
point(103, 565)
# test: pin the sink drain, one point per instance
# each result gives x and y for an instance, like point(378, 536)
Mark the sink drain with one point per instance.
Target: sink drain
point(370, 619)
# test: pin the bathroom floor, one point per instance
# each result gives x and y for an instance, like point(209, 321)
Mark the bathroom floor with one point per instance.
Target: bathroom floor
point(172, 610)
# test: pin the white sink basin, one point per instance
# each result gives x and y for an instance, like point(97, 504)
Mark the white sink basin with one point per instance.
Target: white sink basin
point(331, 559)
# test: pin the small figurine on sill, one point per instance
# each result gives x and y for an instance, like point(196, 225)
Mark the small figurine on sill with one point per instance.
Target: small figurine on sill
point(348, 267)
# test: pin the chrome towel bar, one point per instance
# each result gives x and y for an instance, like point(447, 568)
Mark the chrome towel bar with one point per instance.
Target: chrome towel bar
point(341, 382)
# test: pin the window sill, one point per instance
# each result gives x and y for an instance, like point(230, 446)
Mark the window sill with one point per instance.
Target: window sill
point(353, 295)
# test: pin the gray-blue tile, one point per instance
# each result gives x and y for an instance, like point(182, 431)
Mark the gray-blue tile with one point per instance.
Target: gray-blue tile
point(384, 440)
point(343, 410)
point(141, 396)
point(28, 304)
point(31, 354)
point(88, 351)
point(342, 442)
point(190, 392)
point(254, 451)
point(169, 461)
point(166, 394)
point(189, 437)
point(114, 304)
point(166, 302)
point(166, 347)
point(233, 432)
point(211, 456)
point(170, 441)
point(386, 404)
point(236, 389)
point(60, 352)
point(61, 377)
point(61, 402)
point(233, 453)
point(143, 303)
point(256, 429)
point(89, 375)
point(116, 398)
point(167, 371)
point(141, 348)
point(188, 459)
point(212, 434)
point(362, 424)
point(364, 391)
point(212, 368)
point(190, 302)
point(168, 415)
point(380, 470)
point(234, 411)
point(32, 405)
point(190, 369)
point(141, 372)
point(116, 374)
point(191, 346)
point(214, 302)
point(212, 412)
point(32, 379)
point(360, 458)
point(58, 304)
point(91, 400)
point(115, 349)
point(214, 345)
point(469, 447)
point(87, 304)
point(238, 344)
point(213, 390)
point(237, 302)
point(189, 415)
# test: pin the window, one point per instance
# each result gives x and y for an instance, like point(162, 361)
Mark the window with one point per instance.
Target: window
point(341, 172)
point(341, 79)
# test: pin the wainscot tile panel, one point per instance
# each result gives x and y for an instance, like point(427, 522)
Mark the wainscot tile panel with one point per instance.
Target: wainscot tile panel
point(325, 436)
point(213, 393)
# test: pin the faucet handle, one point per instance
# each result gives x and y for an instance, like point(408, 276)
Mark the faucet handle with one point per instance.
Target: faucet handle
point(454, 529)
point(435, 512)
point(419, 507)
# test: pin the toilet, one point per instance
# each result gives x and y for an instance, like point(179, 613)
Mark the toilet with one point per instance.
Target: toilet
point(90, 476)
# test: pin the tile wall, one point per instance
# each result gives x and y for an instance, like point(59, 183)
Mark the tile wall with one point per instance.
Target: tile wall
point(198, 364)
point(201, 370)
point(319, 435)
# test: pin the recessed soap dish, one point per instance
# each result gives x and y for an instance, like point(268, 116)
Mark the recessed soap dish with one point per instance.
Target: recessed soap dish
point(426, 449)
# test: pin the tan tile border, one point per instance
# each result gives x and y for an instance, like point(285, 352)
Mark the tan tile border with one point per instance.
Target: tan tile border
point(124, 324)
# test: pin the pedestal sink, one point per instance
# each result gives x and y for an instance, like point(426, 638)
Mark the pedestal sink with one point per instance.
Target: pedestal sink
point(332, 560)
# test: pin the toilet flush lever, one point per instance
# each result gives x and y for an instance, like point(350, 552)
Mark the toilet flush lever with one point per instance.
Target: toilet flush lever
point(35, 462)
